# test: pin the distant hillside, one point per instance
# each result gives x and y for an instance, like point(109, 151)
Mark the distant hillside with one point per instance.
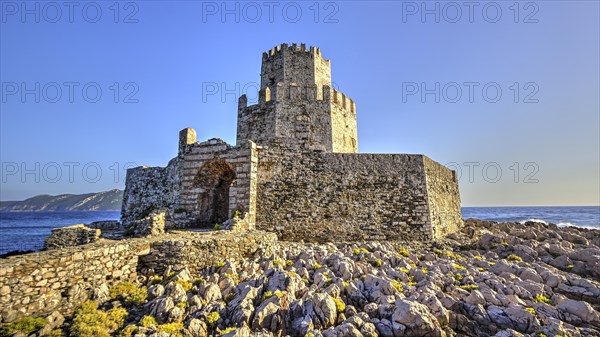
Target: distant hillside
point(101, 201)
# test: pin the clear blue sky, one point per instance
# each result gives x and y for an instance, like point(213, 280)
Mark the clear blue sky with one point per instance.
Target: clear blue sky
point(177, 50)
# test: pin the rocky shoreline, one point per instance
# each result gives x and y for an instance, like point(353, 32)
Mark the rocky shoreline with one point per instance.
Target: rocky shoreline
point(489, 279)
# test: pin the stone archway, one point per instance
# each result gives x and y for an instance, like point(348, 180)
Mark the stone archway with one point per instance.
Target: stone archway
point(214, 179)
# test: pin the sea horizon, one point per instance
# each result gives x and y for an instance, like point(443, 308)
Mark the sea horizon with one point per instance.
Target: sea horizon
point(27, 230)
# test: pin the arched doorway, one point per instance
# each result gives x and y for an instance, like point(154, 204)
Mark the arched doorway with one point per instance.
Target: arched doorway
point(214, 179)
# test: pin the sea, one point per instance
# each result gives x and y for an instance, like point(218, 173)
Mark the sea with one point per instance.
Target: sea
point(26, 231)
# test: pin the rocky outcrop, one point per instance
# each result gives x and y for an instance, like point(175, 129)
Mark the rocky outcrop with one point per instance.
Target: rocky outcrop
point(487, 280)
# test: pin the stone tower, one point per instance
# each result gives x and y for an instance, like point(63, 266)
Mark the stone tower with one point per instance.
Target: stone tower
point(296, 170)
point(297, 106)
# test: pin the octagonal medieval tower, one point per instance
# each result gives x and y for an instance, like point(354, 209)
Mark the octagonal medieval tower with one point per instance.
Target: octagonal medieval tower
point(297, 107)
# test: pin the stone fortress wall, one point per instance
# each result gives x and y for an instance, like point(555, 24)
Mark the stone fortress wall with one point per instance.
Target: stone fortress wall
point(347, 197)
point(295, 169)
point(294, 174)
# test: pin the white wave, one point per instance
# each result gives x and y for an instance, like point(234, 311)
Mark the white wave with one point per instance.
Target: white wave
point(568, 224)
point(522, 222)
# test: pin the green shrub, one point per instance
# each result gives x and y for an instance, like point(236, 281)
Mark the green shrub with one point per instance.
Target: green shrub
point(537, 298)
point(289, 263)
point(226, 331)
point(403, 252)
point(316, 265)
point(182, 304)
point(268, 294)
point(55, 333)
point(278, 263)
point(156, 279)
point(530, 310)
point(458, 266)
point(128, 331)
point(376, 263)
point(357, 251)
point(173, 329)
point(130, 293)
point(340, 305)
point(513, 257)
point(458, 277)
point(148, 321)
point(213, 318)
point(117, 316)
point(219, 265)
point(397, 285)
point(187, 285)
point(89, 321)
point(469, 287)
point(27, 326)
point(217, 226)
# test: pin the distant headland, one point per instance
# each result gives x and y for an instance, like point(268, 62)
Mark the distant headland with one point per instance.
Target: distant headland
point(100, 201)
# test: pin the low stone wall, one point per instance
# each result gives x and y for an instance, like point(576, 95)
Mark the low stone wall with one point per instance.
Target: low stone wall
point(36, 284)
point(75, 235)
point(196, 252)
point(39, 283)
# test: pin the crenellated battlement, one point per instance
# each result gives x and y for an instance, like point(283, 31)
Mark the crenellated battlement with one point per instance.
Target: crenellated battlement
point(302, 92)
point(294, 64)
point(340, 99)
point(294, 48)
point(297, 103)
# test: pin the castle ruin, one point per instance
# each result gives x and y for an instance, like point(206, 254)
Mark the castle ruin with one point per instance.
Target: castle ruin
point(295, 169)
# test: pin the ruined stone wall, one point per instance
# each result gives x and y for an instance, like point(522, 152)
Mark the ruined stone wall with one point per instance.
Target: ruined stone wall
point(242, 163)
point(204, 251)
point(335, 196)
point(150, 188)
point(444, 198)
point(39, 283)
point(75, 235)
point(36, 284)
